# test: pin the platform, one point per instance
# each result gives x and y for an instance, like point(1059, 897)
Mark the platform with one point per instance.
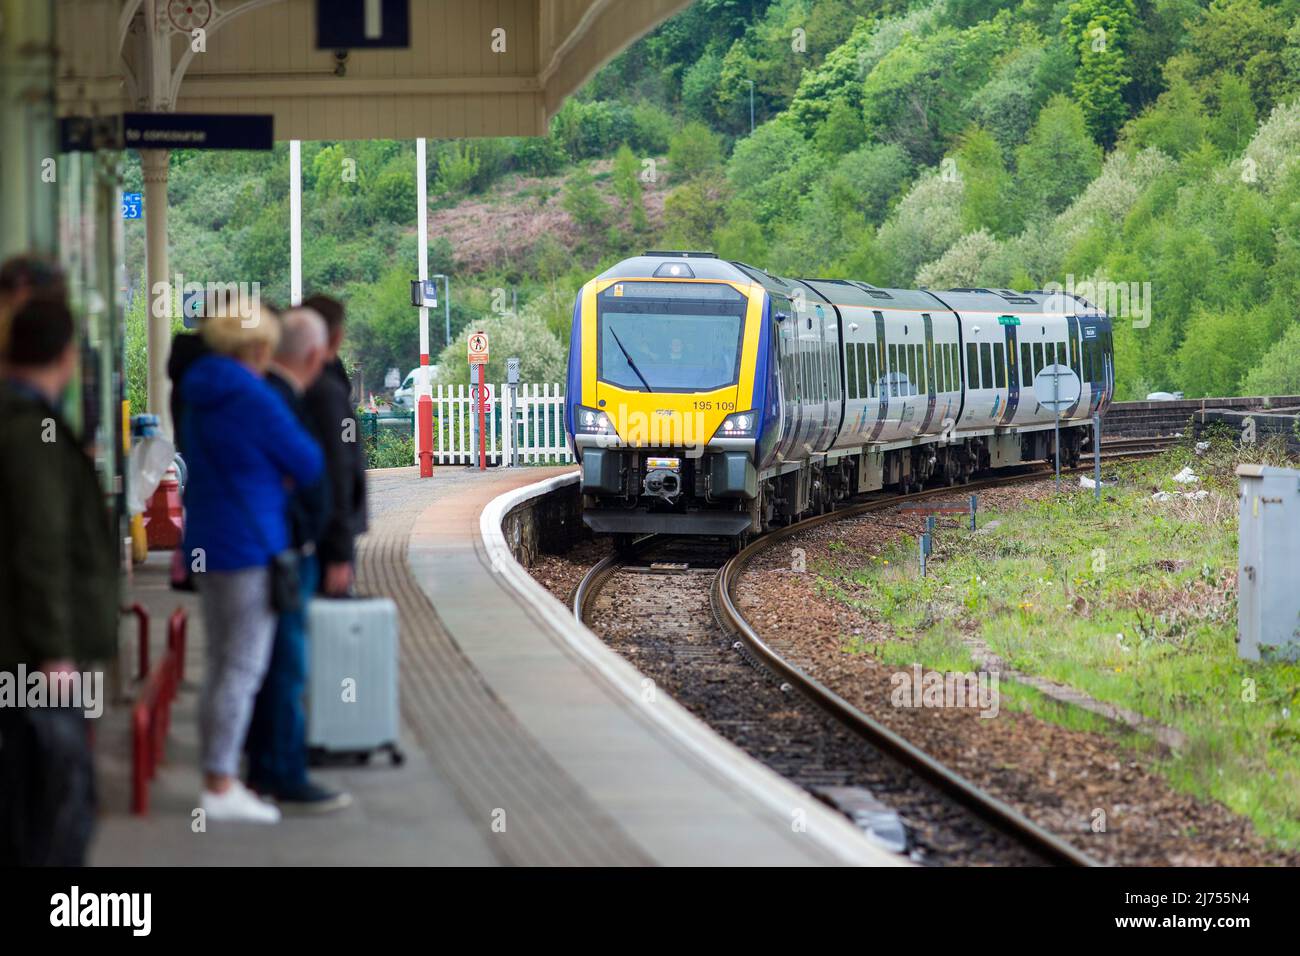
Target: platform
point(528, 742)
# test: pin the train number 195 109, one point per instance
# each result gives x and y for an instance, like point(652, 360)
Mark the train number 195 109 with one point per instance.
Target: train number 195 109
point(720, 406)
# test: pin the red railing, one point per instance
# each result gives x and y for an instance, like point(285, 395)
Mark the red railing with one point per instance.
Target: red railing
point(151, 715)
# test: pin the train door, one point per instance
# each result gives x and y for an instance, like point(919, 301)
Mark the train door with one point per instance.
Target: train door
point(880, 376)
point(931, 393)
point(788, 356)
point(1072, 350)
point(1010, 326)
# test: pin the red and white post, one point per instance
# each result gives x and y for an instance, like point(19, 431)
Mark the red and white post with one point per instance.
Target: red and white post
point(482, 416)
point(424, 399)
point(477, 348)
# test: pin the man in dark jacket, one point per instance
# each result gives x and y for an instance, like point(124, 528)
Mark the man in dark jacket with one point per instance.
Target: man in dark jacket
point(58, 594)
point(277, 736)
point(329, 403)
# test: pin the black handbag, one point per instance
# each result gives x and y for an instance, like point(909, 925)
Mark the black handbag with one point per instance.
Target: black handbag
point(284, 567)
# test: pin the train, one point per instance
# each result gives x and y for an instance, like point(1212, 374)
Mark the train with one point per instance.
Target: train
point(705, 396)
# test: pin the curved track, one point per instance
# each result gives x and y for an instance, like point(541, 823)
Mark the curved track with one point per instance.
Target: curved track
point(978, 802)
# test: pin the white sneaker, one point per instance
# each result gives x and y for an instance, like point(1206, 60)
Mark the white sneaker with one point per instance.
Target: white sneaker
point(238, 804)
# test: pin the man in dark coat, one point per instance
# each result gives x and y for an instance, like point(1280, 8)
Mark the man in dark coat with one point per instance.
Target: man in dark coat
point(58, 594)
point(329, 403)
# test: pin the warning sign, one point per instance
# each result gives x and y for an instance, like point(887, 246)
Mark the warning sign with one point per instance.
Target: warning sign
point(478, 348)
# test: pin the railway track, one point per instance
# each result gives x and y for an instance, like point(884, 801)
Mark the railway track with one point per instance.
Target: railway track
point(709, 569)
point(1135, 447)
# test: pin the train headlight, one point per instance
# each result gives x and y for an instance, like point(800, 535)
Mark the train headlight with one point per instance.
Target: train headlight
point(738, 425)
point(591, 421)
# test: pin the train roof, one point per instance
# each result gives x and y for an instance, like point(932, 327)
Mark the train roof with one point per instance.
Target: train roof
point(850, 292)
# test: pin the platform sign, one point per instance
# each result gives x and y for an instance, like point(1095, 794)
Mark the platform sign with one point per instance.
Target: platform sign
point(191, 308)
point(132, 205)
point(198, 131)
point(363, 24)
point(478, 348)
point(1056, 387)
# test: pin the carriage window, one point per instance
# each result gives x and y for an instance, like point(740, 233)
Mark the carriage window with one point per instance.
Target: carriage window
point(851, 370)
point(954, 367)
point(1038, 360)
point(986, 366)
point(866, 376)
point(972, 365)
point(892, 371)
point(1026, 365)
point(999, 366)
point(868, 358)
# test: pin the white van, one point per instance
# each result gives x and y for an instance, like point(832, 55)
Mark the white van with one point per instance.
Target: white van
point(406, 393)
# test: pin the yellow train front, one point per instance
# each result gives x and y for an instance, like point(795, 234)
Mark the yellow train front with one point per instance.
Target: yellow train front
point(671, 395)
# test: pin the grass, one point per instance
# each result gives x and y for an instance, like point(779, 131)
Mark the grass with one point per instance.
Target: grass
point(1131, 600)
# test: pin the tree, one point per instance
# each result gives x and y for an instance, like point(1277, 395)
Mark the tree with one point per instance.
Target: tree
point(542, 356)
point(1099, 31)
point(1174, 124)
point(987, 186)
point(693, 149)
point(1234, 123)
point(963, 265)
point(694, 210)
point(583, 202)
point(1278, 371)
point(457, 166)
point(1241, 36)
point(842, 131)
point(627, 186)
point(773, 169)
point(1059, 159)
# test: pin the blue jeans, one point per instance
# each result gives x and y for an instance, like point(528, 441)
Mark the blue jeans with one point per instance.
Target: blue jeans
point(277, 737)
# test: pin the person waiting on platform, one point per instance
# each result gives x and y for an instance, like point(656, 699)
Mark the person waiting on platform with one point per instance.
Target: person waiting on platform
point(277, 738)
point(58, 593)
point(244, 448)
point(329, 402)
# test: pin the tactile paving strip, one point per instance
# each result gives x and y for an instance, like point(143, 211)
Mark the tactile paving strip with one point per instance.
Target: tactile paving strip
point(485, 753)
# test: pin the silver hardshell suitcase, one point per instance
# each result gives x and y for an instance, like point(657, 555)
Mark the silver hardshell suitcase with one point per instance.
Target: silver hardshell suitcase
point(352, 651)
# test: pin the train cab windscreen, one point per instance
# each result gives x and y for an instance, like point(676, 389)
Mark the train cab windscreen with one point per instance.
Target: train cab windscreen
point(670, 336)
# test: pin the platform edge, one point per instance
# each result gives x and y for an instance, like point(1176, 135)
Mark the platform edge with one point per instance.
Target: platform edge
point(835, 835)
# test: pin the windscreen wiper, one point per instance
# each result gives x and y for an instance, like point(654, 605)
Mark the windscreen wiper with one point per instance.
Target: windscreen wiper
point(631, 364)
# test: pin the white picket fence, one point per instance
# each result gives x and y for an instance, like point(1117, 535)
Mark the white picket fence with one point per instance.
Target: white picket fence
point(537, 438)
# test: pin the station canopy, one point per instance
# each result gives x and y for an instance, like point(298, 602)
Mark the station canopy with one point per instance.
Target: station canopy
point(472, 67)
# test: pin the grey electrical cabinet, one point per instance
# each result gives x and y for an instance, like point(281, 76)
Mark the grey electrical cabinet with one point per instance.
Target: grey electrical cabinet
point(1268, 564)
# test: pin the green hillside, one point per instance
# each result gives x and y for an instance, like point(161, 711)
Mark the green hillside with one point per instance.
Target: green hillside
point(1144, 151)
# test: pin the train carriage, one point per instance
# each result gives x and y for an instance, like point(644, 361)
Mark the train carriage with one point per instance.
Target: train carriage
point(710, 397)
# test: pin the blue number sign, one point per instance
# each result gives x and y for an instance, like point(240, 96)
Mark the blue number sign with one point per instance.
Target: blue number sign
point(132, 206)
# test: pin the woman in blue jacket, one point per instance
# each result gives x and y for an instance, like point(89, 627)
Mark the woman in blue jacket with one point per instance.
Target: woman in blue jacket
point(245, 451)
